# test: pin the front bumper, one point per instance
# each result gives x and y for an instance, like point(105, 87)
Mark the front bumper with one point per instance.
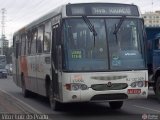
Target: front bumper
point(91, 95)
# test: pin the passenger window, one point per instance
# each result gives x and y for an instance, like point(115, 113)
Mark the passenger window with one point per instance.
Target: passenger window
point(40, 39)
point(33, 42)
point(29, 43)
point(19, 44)
point(23, 45)
point(47, 37)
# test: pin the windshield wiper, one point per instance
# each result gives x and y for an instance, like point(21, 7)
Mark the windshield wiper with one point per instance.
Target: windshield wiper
point(90, 26)
point(119, 25)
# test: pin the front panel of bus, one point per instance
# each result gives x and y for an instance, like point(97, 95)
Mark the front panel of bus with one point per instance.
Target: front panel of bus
point(104, 58)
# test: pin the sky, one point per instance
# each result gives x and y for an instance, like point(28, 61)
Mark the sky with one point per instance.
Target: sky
point(21, 12)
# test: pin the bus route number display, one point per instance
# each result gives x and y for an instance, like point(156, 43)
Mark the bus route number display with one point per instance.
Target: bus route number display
point(76, 54)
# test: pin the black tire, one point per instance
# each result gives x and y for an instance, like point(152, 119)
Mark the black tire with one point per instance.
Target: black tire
point(116, 104)
point(25, 92)
point(158, 88)
point(55, 105)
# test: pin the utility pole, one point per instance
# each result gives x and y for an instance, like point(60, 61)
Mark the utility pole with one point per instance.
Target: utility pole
point(3, 29)
point(152, 5)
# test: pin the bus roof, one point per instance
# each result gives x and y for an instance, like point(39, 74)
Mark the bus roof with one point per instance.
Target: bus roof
point(64, 12)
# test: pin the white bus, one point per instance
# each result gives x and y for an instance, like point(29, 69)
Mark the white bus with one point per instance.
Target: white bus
point(87, 52)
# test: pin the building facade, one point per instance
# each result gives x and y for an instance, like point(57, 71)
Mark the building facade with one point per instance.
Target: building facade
point(152, 19)
point(5, 45)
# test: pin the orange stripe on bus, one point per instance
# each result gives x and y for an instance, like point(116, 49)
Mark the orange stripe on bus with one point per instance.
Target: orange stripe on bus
point(23, 64)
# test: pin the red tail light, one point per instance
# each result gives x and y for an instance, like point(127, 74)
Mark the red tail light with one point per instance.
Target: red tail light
point(68, 86)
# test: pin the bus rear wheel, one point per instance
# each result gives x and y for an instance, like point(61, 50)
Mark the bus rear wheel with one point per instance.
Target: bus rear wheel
point(55, 105)
point(116, 104)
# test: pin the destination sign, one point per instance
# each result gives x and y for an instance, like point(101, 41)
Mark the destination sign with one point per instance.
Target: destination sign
point(101, 9)
point(78, 10)
point(111, 10)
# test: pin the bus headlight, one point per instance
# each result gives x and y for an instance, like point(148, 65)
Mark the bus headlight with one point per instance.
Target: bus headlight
point(84, 87)
point(133, 84)
point(76, 86)
point(137, 84)
point(140, 84)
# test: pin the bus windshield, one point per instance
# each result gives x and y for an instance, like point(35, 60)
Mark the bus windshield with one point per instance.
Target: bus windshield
point(120, 51)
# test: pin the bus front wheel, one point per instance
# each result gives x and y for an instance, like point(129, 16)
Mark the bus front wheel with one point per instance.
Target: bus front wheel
point(55, 105)
point(25, 92)
point(116, 104)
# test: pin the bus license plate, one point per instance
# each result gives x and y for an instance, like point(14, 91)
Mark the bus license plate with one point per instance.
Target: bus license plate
point(134, 91)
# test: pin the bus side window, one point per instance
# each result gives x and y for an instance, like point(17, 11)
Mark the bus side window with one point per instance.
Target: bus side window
point(40, 39)
point(17, 49)
point(19, 44)
point(29, 43)
point(33, 41)
point(26, 45)
point(23, 44)
point(14, 46)
point(47, 37)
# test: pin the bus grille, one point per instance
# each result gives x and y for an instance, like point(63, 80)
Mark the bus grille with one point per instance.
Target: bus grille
point(119, 96)
point(114, 86)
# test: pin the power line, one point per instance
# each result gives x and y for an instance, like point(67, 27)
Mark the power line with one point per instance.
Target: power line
point(28, 10)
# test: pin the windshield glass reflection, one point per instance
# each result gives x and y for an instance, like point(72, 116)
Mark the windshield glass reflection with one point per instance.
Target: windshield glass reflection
point(120, 51)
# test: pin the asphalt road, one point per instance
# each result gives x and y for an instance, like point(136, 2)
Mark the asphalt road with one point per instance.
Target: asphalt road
point(131, 110)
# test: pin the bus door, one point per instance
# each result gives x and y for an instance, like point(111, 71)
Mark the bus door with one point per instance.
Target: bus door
point(32, 83)
point(56, 78)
